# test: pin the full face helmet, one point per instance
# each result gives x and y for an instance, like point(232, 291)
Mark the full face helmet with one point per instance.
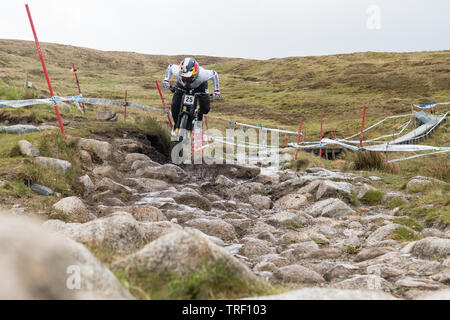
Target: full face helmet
point(189, 70)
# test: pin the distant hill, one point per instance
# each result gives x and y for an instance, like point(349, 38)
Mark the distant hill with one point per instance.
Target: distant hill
point(277, 92)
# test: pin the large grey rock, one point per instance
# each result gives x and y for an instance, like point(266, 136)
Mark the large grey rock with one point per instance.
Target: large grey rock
point(19, 129)
point(340, 271)
point(254, 248)
point(419, 182)
point(431, 247)
point(119, 231)
point(146, 184)
point(182, 253)
point(328, 294)
point(106, 116)
point(108, 184)
point(37, 264)
point(369, 253)
point(102, 149)
point(336, 209)
point(27, 149)
point(383, 232)
point(54, 164)
point(146, 214)
point(260, 202)
point(73, 208)
point(87, 183)
point(214, 227)
point(167, 172)
point(291, 201)
point(42, 190)
point(298, 274)
point(363, 282)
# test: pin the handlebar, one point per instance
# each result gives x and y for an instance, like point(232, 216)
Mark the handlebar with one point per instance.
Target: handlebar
point(173, 89)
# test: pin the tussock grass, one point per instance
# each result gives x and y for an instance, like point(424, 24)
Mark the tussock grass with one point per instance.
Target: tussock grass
point(370, 160)
point(410, 222)
point(404, 234)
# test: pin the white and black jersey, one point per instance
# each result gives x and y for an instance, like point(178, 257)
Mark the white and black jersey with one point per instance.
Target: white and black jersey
point(203, 76)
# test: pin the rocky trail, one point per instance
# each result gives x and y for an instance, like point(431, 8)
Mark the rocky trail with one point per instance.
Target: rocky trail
point(301, 231)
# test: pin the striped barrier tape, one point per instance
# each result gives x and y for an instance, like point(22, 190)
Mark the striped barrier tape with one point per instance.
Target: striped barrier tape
point(74, 99)
point(429, 105)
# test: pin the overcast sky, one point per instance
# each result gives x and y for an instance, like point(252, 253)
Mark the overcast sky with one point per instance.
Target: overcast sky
point(234, 28)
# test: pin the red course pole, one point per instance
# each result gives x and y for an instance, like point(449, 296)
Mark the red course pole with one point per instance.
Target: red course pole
point(38, 47)
point(298, 137)
point(74, 70)
point(164, 104)
point(321, 118)
point(362, 128)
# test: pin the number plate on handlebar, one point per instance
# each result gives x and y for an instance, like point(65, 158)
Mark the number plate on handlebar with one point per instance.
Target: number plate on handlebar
point(189, 100)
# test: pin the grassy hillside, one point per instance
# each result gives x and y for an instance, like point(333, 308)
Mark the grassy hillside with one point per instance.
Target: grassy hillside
point(276, 92)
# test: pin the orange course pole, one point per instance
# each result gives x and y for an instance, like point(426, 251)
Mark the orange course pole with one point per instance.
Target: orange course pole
point(38, 47)
point(74, 70)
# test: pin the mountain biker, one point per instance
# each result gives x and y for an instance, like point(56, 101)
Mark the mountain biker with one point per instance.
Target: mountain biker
point(191, 76)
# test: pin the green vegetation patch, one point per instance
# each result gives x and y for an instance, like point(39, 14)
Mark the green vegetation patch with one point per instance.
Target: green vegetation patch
point(213, 281)
point(395, 203)
point(404, 234)
point(372, 197)
point(410, 223)
point(291, 224)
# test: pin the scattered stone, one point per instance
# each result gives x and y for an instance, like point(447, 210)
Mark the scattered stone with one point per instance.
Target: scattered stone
point(27, 149)
point(73, 208)
point(55, 164)
point(260, 202)
point(340, 271)
point(146, 214)
point(422, 284)
point(431, 248)
point(255, 247)
point(19, 129)
point(87, 183)
point(362, 282)
point(214, 227)
point(167, 172)
point(41, 190)
point(369, 253)
point(106, 116)
point(182, 253)
point(37, 265)
point(291, 201)
point(298, 274)
point(102, 149)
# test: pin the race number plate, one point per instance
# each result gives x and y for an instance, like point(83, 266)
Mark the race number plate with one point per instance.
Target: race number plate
point(189, 100)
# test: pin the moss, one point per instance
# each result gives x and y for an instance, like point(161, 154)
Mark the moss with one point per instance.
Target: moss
point(351, 250)
point(410, 223)
point(213, 281)
point(404, 234)
point(372, 197)
point(291, 224)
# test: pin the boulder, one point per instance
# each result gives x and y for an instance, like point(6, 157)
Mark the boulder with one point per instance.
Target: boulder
point(73, 208)
point(369, 253)
point(167, 172)
point(19, 129)
point(42, 190)
point(54, 164)
point(87, 183)
point(214, 227)
point(340, 271)
point(363, 282)
point(27, 149)
point(106, 116)
point(102, 149)
point(40, 265)
point(260, 202)
point(146, 214)
point(182, 253)
point(254, 248)
point(431, 248)
point(291, 201)
point(146, 184)
point(298, 274)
